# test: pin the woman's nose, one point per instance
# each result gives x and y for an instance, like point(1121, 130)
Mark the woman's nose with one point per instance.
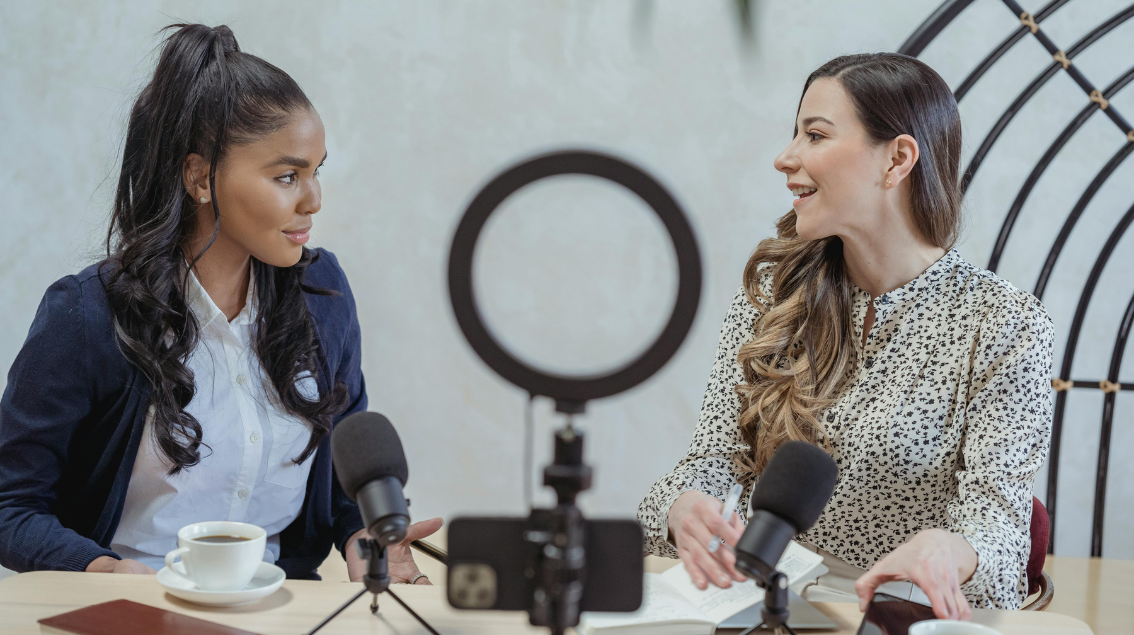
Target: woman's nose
point(313, 201)
point(787, 161)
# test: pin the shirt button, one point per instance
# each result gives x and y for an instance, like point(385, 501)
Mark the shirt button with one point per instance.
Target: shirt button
point(869, 362)
point(242, 493)
point(240, 379)
point(830, 417)
point(254, 437)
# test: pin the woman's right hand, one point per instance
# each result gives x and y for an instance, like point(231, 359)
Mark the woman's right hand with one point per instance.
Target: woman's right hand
point(106, 564)
point(694, 518)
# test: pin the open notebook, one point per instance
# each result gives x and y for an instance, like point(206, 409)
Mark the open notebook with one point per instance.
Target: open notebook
point(672, 605)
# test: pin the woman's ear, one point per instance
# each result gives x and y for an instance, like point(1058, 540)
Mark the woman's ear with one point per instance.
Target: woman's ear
point(195, 176)
point(903, 156)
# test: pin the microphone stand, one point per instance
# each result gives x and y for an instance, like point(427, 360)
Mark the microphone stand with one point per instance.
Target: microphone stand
point(774, 612)
point(376, 580)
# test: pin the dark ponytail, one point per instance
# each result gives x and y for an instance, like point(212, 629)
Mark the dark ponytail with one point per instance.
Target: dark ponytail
point(205, 97)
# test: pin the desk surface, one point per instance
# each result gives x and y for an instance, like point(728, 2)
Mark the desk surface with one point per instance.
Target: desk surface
point(300, 605)
point(1098, 591)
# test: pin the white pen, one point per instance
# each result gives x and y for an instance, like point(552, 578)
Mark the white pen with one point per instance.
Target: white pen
point(726, 513)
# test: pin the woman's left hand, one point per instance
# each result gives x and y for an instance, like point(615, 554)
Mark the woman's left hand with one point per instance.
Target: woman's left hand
point(401, 565)
point(936, 560)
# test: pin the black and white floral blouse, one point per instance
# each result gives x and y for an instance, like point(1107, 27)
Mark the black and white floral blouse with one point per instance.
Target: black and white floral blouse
point(944, 424)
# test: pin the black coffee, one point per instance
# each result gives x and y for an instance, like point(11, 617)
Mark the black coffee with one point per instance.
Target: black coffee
point(221, 539)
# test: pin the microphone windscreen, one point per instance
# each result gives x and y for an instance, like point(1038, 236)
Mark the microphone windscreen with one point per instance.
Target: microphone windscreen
point(364, 448)
point(796, 484)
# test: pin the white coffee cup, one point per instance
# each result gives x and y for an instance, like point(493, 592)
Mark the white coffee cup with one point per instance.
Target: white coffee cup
point(218, 555)
point(950, 627)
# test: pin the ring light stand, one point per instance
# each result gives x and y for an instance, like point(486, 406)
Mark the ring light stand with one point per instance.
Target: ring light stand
point(560, 568)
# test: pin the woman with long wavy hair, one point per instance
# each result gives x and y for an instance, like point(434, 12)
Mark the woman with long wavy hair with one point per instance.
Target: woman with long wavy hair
point(197, 372)
point(859, 329)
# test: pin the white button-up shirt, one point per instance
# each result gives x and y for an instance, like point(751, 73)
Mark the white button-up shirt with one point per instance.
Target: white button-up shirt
point(246, 471)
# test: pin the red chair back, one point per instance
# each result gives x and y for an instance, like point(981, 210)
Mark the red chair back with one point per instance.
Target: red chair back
point(1040, 530)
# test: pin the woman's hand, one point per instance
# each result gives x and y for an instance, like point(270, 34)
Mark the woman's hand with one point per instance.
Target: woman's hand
point(694, 518)
point(936, 560)
point(106, 564)
point(400, 561)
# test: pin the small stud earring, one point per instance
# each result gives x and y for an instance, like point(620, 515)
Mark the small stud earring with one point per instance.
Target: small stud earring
point(887, 183)
point(205, 200)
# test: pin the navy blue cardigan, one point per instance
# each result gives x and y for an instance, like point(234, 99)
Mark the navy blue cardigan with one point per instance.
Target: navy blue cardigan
point(71, 421)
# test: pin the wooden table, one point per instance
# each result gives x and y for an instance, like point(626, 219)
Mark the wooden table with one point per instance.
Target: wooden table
point(300, 605)
point(1099, 592)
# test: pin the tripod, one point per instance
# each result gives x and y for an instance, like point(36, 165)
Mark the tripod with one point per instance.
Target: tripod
point(376, 580)
point(560, 565)
point(775, 609)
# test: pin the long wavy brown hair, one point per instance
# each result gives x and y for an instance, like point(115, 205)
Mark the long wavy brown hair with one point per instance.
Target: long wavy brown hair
point(803, 346)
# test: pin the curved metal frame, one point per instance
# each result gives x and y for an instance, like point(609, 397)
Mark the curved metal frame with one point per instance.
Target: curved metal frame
point(1076, 212)
point(1039, 81)
point(1107, 424)
point(1065, 373)
point(1041, 167)
point(1099, 100)
point(1004, 47)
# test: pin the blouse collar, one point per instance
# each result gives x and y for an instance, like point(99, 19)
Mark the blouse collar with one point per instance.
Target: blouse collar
point(931, 278)
point(207, 311)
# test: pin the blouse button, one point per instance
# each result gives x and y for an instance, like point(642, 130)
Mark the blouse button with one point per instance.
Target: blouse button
point(254, 437)
point(242, 493)
point(830, 417)
point(240, 379)
point(869, 362)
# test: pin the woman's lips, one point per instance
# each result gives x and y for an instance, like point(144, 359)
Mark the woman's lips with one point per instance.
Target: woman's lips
point(299, 236)
point(801, 198)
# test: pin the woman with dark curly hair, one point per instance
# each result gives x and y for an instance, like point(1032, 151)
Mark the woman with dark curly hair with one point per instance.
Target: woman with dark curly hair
point(197, 372)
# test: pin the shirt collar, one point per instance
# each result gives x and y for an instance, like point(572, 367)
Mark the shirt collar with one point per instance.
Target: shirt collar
point(929, 279)
point(207, 311)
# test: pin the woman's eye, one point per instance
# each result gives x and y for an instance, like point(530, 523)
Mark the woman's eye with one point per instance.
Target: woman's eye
point(287, 179)
point(814, 136)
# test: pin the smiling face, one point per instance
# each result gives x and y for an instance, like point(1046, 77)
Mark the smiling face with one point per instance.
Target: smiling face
point(833, 168)
point(267, 190)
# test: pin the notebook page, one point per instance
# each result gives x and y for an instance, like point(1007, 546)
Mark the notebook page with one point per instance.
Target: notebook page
point(716, 603)
point(660, 603)
point(797, 562)
point(719, 604)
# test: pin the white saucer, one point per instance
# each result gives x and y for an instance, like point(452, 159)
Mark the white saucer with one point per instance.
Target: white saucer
point(268, 578)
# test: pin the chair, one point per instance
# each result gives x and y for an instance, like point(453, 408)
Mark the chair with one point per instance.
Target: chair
point(1038, 580)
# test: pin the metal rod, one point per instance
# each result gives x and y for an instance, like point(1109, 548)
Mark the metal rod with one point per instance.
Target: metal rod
point(1033, 88)
point(337, 611)
point(417, 617)
point(1107, 425)
point(932, 27)
point(1069, 357)
point(1004, 47)
point(1076, 212)
point(431, 550)
point(1044, 162)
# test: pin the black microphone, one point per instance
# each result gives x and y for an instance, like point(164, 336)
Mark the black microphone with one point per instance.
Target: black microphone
point(787, 500)
point(367, 455)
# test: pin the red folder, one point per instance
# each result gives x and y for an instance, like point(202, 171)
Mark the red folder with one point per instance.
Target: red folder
point(124, 616)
